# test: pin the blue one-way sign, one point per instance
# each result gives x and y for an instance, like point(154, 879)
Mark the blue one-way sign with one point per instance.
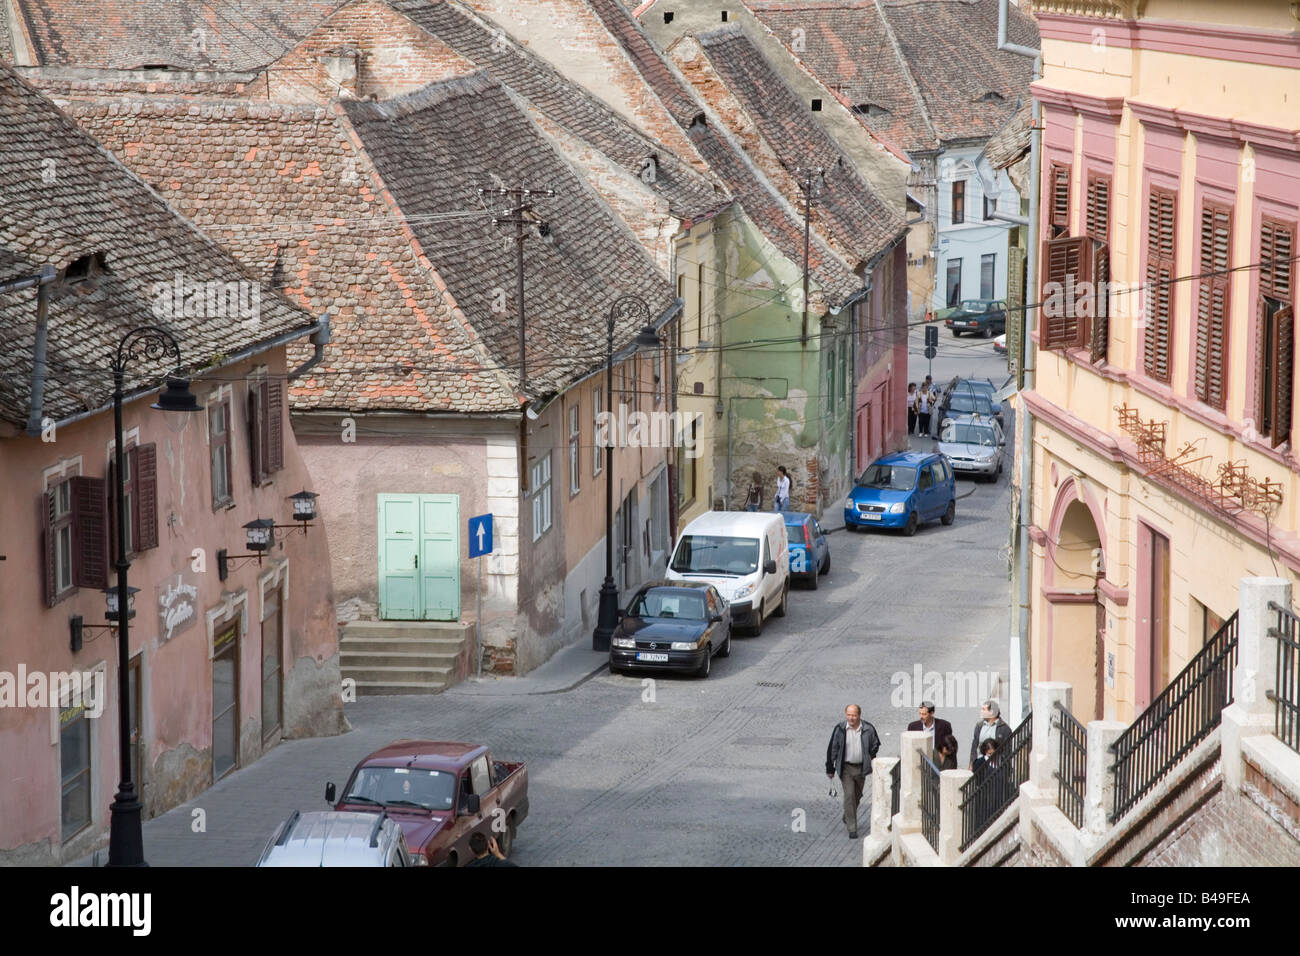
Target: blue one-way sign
point(480, 535)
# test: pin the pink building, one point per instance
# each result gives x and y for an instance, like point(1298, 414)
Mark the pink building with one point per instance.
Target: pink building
point(227, 657)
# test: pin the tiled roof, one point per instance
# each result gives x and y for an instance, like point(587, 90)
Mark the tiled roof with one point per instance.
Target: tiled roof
point(688, 192)
point(63, 197)
point(126, 34)
point(1008, 148)
point(847, 206)
point(921, 67)
point(434, 148)
point(283, 188)
point(765, 206)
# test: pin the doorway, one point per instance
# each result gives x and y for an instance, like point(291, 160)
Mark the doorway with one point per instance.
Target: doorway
point(272, 657)
point(419, 557)
point(225, 700)
point(1153, 652)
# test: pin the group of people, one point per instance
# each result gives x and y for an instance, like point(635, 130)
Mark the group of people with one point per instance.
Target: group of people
point(780, 501)
point(854, 744)
point(922, 403)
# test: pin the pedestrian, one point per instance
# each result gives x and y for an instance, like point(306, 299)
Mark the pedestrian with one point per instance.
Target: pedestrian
point(754, 500)
point(991, 727)
point(486, 852)
point(986, 762)
point(924, 402)
point(848, 756)
point(936, 727)
point(782, 499)
point(946, 754)
point(911, 408)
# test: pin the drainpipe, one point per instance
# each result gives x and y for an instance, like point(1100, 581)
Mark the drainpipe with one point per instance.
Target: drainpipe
point(1019, 651)
point(42, 280)
point(320, 338)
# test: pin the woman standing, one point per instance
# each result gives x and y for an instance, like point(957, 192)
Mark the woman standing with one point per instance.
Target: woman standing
point(754, 500)
point(782, 501)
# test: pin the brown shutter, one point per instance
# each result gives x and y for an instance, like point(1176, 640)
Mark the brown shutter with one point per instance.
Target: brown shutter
point(89, 533)
point(1262, 401)
point(1212, 309)
point(1098, 208)
point(145, 470)
point(1067, 263)
point(1276, 249)
point(254, 435)
point(48, 545)
point(1099, 335)
point(275, 428)
point(1284, 328)
point(1060, 203)
point(1161, 232)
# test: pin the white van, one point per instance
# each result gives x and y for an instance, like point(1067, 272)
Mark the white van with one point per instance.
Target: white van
point(745, 555)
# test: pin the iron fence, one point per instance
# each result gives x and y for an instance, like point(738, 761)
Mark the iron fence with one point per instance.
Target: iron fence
point(895, 789)
point(1072, 777)
point(930, 801)
point(1184, 714)
point(985, 795)
point(1286, 688)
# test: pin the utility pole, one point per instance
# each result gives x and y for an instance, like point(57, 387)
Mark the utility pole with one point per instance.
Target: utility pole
point(520, 215)
point(808, 182)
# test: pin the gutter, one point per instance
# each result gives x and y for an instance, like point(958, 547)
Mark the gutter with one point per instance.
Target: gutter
point(42, 280)
point(320, 327)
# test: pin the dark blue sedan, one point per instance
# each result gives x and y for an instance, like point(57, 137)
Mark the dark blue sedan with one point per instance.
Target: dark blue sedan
point(903, 491)
point(810, 554)
point(672, 625)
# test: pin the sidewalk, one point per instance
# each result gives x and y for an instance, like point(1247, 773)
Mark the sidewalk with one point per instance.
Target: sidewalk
point(567, 668)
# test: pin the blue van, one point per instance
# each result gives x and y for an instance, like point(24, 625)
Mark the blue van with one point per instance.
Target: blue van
point(903, 491)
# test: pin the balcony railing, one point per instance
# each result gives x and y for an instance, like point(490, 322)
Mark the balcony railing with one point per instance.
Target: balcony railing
point(930, 801)
point(895, 789)
point(1184, 714)
point(1286, 690)
point(1072, 778)
point(983, 798)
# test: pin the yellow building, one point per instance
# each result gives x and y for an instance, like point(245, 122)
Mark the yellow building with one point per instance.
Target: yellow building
point(1163, 467)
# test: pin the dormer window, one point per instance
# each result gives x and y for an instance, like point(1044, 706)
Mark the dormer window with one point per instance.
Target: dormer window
point(991, 97)
point(85, 267)
point(817, 105)
point(870, 110)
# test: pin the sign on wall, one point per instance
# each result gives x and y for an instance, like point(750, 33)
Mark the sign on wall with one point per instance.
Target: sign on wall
point(177, 606)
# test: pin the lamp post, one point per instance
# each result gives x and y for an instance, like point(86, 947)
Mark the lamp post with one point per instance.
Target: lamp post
point(125, 837)
point(632, 310)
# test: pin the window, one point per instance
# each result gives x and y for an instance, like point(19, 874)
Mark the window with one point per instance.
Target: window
point(1212, 305)
point(657, 363)
point(75, 545)
point(265, 416)
point(926, 479)
point(699, 302)
point(954, 282)
point(141, 500)
point(74, 758)
point(1097, 226)
point(480, 776)
point(688, 458)
point(1275, 332)
point(1058, 210)
point(599, 440)
point(575, 432)
point(988, 263)
point(959, 202)
point(1161, 230)
point(219, 452)
point(817, 105)
point(541, 485)
point(681, 289)
point(1067, 275)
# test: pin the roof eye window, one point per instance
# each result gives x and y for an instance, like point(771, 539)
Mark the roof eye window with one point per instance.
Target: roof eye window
point(817, 105)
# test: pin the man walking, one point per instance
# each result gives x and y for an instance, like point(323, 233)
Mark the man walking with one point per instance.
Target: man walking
point(782, 501)
point(848, 756)
point(991, 727)
point(936, 727)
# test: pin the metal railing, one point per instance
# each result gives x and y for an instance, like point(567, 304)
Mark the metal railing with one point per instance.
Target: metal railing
point(1072, 777)
point(1286, 690)
point(1184, 714)
point(895, 789)
point(986, 795)
point(930, 801)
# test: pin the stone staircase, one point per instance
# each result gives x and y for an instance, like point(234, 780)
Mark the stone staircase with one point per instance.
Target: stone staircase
point(406, 657)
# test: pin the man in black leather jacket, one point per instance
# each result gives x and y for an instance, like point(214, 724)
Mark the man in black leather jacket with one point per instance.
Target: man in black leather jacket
point(853, 746)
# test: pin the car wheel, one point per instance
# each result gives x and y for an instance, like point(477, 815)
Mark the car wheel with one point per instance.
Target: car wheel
point(950, 515)
point(785, 597)
point(812, 581)
point(726, 646)
point(826, 568)
point(757, 629)
point(956, 334)
point(506, 841)
point(708, 663)
point(912, 522)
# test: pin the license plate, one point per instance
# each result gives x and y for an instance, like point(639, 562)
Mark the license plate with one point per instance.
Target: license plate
point(871, 517)
point(652, 658)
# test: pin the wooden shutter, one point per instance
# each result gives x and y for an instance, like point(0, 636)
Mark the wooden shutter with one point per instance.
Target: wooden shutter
point(1067, 263)
point(274, 426)
point(1276, 249)
point(89, 533)
point(145, 470)
point(1161, 230)
point(255, 435)
point(1059, 208)
point(48, 545)
point(1283, 391)
point(1212, 307)
point(1099, 334)
point(1097, 212)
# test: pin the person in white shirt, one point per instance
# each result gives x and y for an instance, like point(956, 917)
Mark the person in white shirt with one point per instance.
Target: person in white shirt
point(782, 500)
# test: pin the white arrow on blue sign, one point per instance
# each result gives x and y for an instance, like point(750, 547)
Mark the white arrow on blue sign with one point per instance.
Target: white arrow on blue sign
point(480, 535)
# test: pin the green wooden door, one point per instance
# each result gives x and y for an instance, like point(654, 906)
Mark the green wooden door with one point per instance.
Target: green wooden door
point(419, 557)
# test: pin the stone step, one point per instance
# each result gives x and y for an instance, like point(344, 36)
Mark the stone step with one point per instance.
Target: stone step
point(402, 674)
point(407, 629)
point(378, 688)
point(350, 659)
point(400, 645)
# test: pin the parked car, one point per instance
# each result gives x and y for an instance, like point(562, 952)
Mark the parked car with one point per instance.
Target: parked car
point(968, 397)
point(326, 838)
point(440, 793)
point(984, 317)
point(673, 625)
point(810, 554)
point(745, 555)
point(903, 491)
point(1000, 344)
point(973, 445)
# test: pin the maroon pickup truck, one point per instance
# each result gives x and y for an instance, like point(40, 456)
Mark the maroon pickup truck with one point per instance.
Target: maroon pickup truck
point(440, 793)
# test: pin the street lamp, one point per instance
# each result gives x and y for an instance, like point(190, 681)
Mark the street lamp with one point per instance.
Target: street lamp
point(125, 836)
point(631, 310)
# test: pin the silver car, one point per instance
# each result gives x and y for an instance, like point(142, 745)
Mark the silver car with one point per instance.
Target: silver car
point(974, 445)
point(333, 838)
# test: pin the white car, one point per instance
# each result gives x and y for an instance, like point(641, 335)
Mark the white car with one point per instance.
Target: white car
point(745, 555)
point(1000, 344)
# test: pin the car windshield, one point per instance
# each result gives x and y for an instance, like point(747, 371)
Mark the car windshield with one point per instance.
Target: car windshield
point(662, 602)
point(403, 786)
point(795, 531)
point(714, 554)
point(968, 433)
point(894, 477)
